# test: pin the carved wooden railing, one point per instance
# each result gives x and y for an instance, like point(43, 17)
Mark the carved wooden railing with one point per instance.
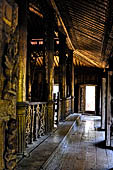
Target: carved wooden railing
point(58, 105)
point(36, 114)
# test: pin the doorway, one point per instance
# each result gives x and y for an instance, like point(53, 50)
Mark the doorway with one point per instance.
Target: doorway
point(90, 99)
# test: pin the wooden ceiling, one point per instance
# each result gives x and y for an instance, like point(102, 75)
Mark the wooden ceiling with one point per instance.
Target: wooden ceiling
point(87, 24)
point(84, 22)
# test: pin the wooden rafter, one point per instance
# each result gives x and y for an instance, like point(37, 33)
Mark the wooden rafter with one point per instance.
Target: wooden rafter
point(83, 22)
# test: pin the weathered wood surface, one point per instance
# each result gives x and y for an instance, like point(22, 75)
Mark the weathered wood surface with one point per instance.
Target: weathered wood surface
point(45, 149)
point(83, 149)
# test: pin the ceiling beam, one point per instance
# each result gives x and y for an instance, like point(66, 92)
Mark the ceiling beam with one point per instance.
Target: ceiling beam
point(87, 13)
point(69, 39)
point(81, 23)
point(108, 27)
point(88, 7)
point(88, 59)
point(63, 25)
point(87, 35)
point(84, 61)
point(87, 19)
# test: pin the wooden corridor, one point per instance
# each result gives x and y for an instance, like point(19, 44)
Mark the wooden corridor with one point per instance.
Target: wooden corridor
point(83, 149)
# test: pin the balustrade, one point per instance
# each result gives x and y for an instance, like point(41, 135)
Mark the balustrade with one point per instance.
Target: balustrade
point(36, 114)
point(33, 121)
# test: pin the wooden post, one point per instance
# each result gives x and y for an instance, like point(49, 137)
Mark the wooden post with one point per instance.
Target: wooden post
point(71, 79)
point(103, 102)
point(1, 47)
point(100, 102)
point(108, 109)
point(62, 65)
point(58, 108)
point(49, 67)
point(2, 142)
point(76, 93)
point(97, 101)
point(21, 93)
point(72, 88)
point(79, 97)
point(28, 78)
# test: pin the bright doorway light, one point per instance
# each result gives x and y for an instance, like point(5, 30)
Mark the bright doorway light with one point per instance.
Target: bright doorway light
point(56, 89)
point(90, 98)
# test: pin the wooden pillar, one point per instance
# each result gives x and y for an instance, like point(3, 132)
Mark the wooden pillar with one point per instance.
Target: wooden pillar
point(21, 95)
point(97, 102)
point(72, 80)
point(28, 78)
point(1, 47)
point(103, 102)
point(79, 98)
point(76, 92)
point(2, 142)
point(49, 68)
point(100, 102)
point(62, 65)
point(108, 109)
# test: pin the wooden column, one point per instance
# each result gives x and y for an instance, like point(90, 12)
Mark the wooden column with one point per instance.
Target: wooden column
point(103, 102)
point(76, 93)
point(72, 80)
point(1, 47)
point(49, 68)
point(100, 102)
point(62, 65)
point(79, 98)
point(2, 142)
point(28, 78)
point(21, 95)
point(97, 102)
point(108, 109)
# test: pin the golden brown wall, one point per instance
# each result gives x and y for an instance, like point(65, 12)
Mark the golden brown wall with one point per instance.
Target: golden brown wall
point(8, 77)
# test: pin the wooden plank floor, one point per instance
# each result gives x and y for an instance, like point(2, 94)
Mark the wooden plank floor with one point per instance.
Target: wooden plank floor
point(38, 157)
point(83, 149)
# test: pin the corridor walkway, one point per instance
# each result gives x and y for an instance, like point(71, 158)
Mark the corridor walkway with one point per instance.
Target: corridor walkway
point(83, 149)
point(44, 148)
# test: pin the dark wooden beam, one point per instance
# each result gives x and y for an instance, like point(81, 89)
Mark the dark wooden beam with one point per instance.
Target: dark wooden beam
point(85, 34)
point(88, 13)
point(87, 6)
point(108, 27)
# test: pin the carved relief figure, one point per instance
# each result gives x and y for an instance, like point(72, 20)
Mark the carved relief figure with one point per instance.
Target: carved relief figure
point(10, 57)
point(10, 67)
point(10, 153)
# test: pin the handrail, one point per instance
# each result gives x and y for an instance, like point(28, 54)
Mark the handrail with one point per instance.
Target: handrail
point(36, 115)
point(68, 97)
point(36, 103)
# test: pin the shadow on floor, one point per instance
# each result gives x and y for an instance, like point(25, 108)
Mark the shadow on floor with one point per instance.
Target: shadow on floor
point(102, 145)
point(99, 129)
